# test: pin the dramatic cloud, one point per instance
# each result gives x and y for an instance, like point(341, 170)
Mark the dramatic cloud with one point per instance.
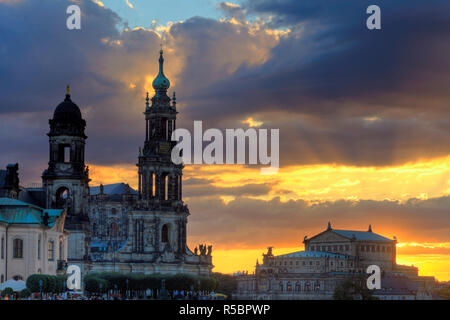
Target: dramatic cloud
point(342, 96)
point(253, 223)
point(339, 92)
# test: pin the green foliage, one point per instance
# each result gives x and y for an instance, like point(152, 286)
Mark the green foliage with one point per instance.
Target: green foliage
point(142, 282)
point(226, 284)
point(444, 293)
point(180, 282)
point(25, 293)
point(7, 292)
point(33, 282)
point(208, 284)
point(96, 285)
point(50, 284)
point(354, 288)
point(61, 283)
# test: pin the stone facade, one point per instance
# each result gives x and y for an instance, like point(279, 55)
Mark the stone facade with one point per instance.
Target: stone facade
point(33, 240)
point(329, 258)
point(66, 180)
point(145, 230)
point(112, 229)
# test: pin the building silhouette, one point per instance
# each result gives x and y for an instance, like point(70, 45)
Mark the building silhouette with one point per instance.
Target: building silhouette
point(330, 258)
point(114, 227)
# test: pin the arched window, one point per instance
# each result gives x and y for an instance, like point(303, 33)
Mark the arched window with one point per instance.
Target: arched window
point(317, 286)
point(39, 248)
point(307, 286)
point(166, 187)
point(298, 286)
point(179, 196)
point(61, 252)
point(165, 234)
point(139, 236)
point(2, 279)
point(18, 248)
point(114, 230)
point(289, 286)
point(62, 195)
point(281, 286)
point(51, 250)
point(113, 210)
point(153, 179)
point(3, 248)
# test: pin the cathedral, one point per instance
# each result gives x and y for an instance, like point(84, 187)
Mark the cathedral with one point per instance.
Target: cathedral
point(114, 227)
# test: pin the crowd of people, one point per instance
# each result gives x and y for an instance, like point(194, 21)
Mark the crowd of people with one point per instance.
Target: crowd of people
point(171, 295)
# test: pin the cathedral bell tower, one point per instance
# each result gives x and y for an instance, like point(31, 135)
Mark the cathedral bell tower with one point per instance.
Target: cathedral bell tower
point(66, 180)
point(159, 178)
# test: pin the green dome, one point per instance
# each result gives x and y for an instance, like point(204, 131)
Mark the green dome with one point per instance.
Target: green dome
point(161, 83)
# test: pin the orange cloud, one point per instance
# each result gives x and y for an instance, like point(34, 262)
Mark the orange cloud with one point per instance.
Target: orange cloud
point(315, 184)
point(236, 259)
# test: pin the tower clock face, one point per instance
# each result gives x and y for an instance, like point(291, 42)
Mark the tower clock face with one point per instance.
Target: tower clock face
point(65, 167)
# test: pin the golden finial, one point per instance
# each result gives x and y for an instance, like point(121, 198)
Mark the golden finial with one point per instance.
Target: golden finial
point(68, 90)
point(161, 47)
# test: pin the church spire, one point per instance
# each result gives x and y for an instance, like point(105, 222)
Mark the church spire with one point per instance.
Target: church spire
point(67, 93)
point(161, 83)
point(174, 101)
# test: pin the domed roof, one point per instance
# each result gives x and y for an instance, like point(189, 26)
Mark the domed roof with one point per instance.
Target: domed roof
point(67, 110)
point(161, 83)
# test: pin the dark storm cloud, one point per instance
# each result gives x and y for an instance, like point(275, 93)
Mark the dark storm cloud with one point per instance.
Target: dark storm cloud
point(332, 70)
point(285, 223)
point(39, 56)
point(338, 92)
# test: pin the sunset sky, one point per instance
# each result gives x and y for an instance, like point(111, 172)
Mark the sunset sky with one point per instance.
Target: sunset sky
point(364, 116)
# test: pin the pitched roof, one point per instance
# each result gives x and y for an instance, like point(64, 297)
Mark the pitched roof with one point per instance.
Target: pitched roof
point(361, 235)
point(14, 211)
point(311, 254)
point(34, 196)
point(115, 188)
point(397, 285)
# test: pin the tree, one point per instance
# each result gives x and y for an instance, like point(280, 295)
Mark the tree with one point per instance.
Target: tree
point(25, 293)
point(353, 288)
point(7, 292)
point(50, 284)
point(226, 283)
point(444, 292)
point(33, 282)
point(96, 285)
point(180, 282)
point(208, 284)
